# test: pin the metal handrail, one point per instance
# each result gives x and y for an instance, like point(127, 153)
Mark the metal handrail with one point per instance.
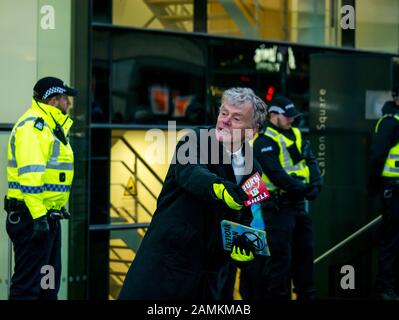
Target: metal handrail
point(141, 159)
point(122, 226)
point(116, 209)
point(136, 199)
point(144, 207)
point(349, 238)
point(138, 179)
point(119, 213)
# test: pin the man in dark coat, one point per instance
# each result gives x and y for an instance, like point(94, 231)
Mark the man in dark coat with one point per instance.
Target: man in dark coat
point(181, 255)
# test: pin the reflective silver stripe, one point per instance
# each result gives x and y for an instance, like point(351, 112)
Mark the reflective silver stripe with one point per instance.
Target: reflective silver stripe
point(25, 121)
point(55, 154)
point(286, 154)
point(270, 186)
point(276, 109)
point(31, 168)
point(13, 158)
point(393, 156)
point(56, 150)
point(13, 162)
point(292, 168)
point(60, 165)
point(394, 170)
point(296, 167)
point(270, 133)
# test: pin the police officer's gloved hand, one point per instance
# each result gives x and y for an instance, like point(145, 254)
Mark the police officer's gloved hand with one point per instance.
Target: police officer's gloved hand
point(41, 228)
point(306, 152)
point(232, 194)
point(312, 192)
point(65, 213)
point(243, 252)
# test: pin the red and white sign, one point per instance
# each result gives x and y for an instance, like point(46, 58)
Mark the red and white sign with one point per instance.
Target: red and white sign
point(256, 189)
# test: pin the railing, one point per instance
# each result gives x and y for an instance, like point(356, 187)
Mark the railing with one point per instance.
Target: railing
point(124, 226)
point(140, 158)
point(348, 239)
point(137, 180)
point(139, 203)
point(173, 14)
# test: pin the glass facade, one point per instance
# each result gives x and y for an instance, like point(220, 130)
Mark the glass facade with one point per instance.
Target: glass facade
point(140, 64)
point(148, 80)
point(306, 74)
point(377, 25)
point(311, 22)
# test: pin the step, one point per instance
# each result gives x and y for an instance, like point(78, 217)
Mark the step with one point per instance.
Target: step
point(173, 2)
point(191, 17)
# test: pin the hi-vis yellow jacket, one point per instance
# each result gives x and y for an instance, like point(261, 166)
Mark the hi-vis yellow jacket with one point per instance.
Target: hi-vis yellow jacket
point(390, 169)
point(300, 169)
point(40, 166)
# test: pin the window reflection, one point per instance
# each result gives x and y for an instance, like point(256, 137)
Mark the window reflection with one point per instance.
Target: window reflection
point(152, 79)
point(152, 14)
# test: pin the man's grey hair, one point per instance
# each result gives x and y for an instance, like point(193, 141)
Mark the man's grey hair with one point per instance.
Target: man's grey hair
point(239, 96)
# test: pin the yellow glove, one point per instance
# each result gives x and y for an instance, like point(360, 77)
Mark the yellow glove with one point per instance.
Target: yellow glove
point(240, 255)
point(243, 251)
point(231, 194)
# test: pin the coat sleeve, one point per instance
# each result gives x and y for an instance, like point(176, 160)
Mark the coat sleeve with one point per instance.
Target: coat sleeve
point(32, 150)
point(266, 152)
point(191, 170)
point(313, 165)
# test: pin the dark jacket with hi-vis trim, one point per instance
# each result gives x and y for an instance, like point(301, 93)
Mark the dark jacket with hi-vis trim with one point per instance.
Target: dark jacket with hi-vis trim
point(40, 164)
point(268, 153)
point(386, 137)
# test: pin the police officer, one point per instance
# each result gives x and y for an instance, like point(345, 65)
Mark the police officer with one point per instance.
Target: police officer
point(291, 174)
point(384, 180)
point(40, 173)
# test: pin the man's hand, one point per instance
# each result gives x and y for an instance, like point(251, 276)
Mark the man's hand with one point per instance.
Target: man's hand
point(243, 251)
point(231, 194)
point(41, 228)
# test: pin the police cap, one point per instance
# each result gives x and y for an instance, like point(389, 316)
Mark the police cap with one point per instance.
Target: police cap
point(50, 86)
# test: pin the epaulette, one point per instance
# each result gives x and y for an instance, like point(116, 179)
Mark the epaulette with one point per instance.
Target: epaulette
point(39, 124)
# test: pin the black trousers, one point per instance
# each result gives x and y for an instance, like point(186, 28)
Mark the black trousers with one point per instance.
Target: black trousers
point(290, 239)
point(37, 270)
point(389, 240)
point(220, 285)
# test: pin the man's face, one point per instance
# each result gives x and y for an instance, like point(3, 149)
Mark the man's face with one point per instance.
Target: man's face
point(284, 122)
point(234, 124)
point(62, 102)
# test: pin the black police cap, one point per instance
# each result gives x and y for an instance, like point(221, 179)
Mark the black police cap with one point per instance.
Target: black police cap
point(50, 86)
point(284, 106)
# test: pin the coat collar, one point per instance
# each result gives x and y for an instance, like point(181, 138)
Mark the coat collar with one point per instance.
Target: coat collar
point(52, 115)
